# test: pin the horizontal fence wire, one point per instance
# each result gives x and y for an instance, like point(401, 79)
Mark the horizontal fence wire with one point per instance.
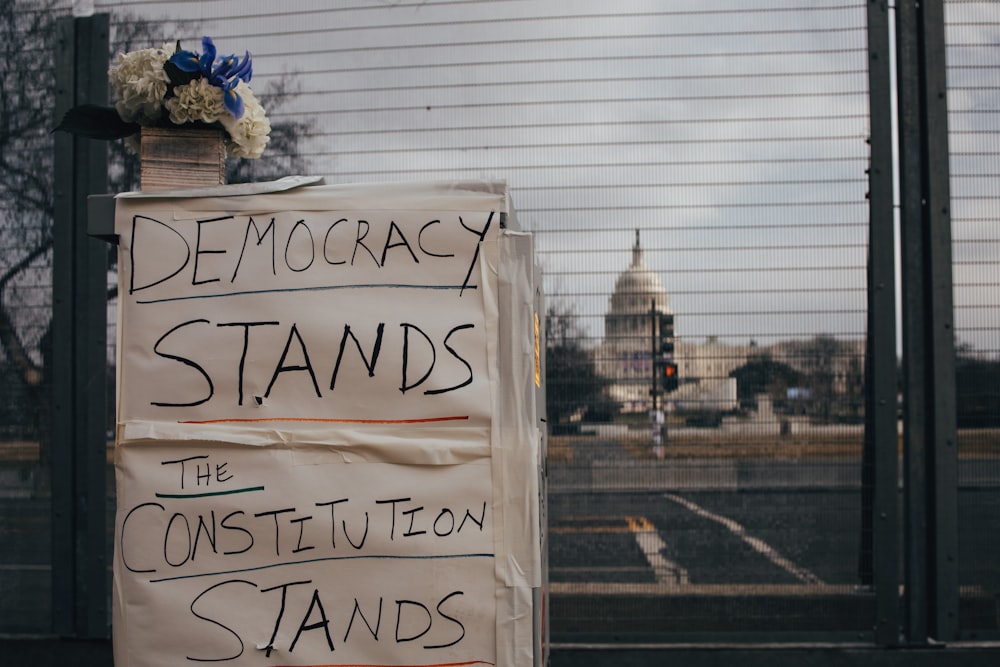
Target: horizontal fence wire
point(706, 161)
point(974, 146)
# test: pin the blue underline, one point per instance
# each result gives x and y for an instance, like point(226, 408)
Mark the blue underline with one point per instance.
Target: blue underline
point(321, 288)
point(318, 560)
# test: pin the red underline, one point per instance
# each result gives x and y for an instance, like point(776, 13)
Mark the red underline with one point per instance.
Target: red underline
point(439, 664)
point(424, 420)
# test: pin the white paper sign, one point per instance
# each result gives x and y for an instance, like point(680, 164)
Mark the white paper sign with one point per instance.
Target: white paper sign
point(244, 557)
point(313, 316)
point(306, 431)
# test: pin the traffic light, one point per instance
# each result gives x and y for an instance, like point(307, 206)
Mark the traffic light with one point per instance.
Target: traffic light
point(666, 341)
point(668, 376)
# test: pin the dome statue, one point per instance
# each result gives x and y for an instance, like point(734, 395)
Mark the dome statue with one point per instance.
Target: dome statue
point(626, 355)
point(637, 290)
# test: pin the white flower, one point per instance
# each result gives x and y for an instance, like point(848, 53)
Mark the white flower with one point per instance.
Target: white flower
point(140, 83)
point(196, 101)
point(249, 134)
point(141, 87)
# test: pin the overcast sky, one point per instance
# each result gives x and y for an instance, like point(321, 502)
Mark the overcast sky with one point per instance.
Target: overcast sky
point(732, 133)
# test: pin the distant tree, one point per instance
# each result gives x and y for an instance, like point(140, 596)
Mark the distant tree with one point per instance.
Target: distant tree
point(27, 82)
point(26, 165)
point(833, 372)
point(764, 375)
point(283, 156)
point(818, 359)
point(977, 389)
point(571, 378)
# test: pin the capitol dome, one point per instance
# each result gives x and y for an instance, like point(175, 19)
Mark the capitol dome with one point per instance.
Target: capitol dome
point(636, 289)
point(625, 357)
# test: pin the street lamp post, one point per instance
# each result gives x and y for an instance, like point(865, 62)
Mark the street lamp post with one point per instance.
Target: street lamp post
point(655, 414)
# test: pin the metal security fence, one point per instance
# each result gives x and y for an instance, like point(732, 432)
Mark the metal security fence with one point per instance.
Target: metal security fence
point(726, 499)
point(751, 439)
point(973, 105)
point(25, 335)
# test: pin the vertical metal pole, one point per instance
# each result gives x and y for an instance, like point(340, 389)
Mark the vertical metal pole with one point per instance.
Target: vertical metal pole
point(928, 339)
point(914, 380)
point(655, 438)
point(79, 502)
point(62, 458)
point(881, 438)
point(91, 381)
point(654, 389)
point(943, 460)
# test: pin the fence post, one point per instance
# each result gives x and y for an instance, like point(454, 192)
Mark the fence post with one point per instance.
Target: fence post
point(80, 591)
point(881, 534)
point(930, 458)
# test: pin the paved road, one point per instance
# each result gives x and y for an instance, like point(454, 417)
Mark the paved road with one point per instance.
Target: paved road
point(615, 517)
point(706, 537)
point(712, 528)
point(773, 542)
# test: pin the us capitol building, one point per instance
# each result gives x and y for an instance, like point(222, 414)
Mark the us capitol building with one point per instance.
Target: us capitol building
point(624, 357)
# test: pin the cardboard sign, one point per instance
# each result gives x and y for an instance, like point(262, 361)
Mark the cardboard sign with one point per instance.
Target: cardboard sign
point(252, 557)
point(312, 466)
point(310, 315)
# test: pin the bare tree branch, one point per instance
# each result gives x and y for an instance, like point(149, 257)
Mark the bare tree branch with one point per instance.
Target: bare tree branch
point(14, 348)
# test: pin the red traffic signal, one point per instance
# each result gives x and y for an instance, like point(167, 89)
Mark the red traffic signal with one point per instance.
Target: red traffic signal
point(668, 375)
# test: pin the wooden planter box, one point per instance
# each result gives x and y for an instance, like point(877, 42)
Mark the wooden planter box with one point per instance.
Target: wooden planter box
point(178, 158)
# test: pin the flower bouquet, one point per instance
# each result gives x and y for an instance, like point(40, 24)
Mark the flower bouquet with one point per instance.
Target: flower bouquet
point(171, 87)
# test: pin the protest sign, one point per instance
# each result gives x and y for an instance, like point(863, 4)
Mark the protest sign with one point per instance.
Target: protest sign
point(320, 457)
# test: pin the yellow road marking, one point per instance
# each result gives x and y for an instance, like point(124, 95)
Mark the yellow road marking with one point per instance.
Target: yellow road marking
point(601, 524)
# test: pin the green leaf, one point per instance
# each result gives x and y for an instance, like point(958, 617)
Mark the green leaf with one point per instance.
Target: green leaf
point(95, 122)
point(177, 76)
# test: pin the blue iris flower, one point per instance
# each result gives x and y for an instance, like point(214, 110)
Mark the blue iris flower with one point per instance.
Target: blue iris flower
point(222, 72)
